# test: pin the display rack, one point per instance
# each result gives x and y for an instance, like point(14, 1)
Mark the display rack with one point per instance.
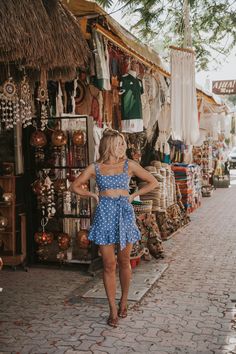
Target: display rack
point(12, 220)
point(73, 214)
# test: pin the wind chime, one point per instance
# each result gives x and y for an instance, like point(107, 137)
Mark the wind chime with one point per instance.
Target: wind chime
point(25, 103)
point(44, 189)
point(15, 103)
point(9, 103)
point(42, 98)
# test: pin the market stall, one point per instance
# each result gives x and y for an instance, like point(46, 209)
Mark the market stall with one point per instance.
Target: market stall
point(39, 42)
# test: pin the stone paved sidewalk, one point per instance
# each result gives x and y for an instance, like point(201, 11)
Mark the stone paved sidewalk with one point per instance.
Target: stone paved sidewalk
point(191, 309)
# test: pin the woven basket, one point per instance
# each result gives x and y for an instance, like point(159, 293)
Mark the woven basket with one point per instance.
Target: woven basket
point(144, 208)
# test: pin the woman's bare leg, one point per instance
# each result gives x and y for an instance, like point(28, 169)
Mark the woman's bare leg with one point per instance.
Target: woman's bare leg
point(123, 258)
point(109, 276)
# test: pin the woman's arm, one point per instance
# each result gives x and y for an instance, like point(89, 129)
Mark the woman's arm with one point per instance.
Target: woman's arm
point(83, 178)
point(138, 171)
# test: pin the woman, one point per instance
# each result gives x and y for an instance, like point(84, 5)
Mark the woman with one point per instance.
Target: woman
point(114, 219)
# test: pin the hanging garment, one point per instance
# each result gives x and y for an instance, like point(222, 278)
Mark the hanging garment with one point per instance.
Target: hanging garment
point(184, 114)
point(107, 106)
point(101, 61)
point(131, 89)
point(97, 135)
point(59, 102)
point(145, 98)
point(155, 103)
point(164, 130)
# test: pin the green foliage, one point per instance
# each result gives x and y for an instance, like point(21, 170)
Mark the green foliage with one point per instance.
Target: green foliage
point(213, 24)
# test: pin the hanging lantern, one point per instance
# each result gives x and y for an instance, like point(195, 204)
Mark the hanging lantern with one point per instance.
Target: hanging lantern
point(3, 223)
point(82, 239)
point(38, 139)
point(78, 138)
point(59, 138)
point(43, 238)
point(64, 241)
point(7, 197)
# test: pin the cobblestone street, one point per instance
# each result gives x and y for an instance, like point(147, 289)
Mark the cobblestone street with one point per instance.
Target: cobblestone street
point(191, 309)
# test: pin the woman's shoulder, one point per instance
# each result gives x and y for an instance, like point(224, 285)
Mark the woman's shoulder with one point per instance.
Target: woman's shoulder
point(91, 167)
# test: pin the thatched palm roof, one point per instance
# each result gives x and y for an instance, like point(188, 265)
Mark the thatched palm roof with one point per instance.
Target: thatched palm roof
point(41, 33)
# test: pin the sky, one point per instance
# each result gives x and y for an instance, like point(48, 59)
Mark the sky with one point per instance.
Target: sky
point(225, 71)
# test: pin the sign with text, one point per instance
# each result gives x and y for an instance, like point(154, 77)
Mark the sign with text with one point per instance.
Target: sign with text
point(224, 87)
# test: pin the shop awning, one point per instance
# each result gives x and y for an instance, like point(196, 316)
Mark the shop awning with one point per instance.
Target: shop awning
point(129, 43)
point(41, 33)
point(118, 34)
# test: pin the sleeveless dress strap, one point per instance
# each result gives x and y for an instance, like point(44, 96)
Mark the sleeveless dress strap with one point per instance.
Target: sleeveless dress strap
point(126, 166)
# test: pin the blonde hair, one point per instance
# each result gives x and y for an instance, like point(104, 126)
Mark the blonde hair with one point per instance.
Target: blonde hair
point(109, 143)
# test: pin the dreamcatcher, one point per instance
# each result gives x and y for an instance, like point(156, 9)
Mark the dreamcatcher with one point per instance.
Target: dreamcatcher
point(9, 104)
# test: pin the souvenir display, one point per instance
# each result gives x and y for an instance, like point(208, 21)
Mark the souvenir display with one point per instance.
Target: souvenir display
point(3, 223)
point(8, 197)
point(188, 178)
point(43, 238)
point(63, 241)
point(25, 103)
point(38, 140)
point(44, 189)
point(9, 103)
point(58, 138)
point(43, 100)
point(82, 239)
point(15, 104)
